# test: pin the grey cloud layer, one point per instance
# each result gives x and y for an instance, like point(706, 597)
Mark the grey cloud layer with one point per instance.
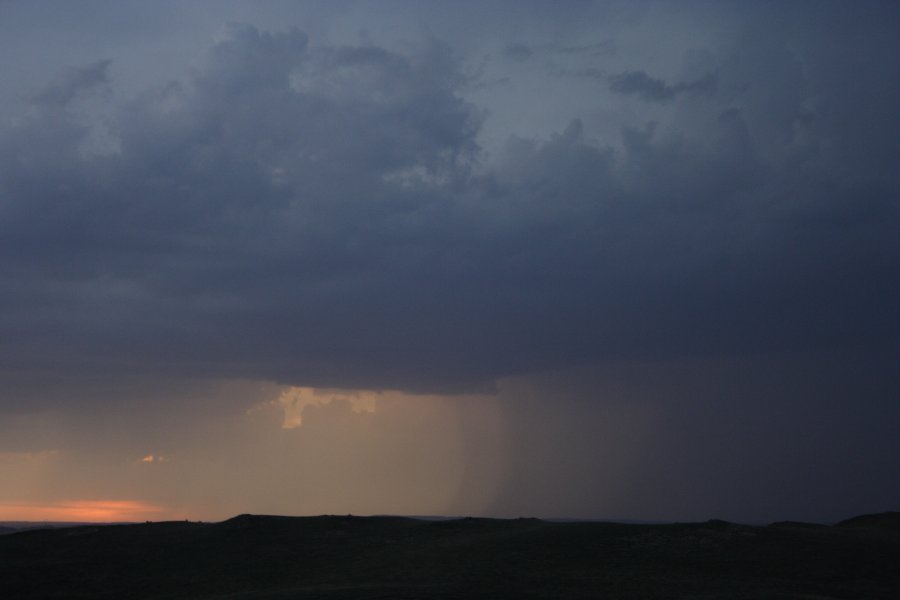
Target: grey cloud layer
point(649, 88)
point(322, 215)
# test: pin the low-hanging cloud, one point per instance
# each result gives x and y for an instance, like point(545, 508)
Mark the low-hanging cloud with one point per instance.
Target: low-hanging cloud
point(322, 215)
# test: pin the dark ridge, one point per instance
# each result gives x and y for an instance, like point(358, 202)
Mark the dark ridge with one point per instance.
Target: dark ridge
point(248, 520)
point(31, 525)
point(797, 525)
point(259, 557)
point(885, 520)
point(720, 525)
point(4, 530)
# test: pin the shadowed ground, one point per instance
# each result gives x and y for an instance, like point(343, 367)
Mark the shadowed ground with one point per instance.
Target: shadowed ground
point(277, 558)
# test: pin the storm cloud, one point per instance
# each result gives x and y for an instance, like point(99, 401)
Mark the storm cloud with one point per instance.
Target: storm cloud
point(300, 206)
point(323, 214)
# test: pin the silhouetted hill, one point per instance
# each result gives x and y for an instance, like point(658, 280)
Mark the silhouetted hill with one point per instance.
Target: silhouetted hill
point(26, 525)
point(335, 557)
point(6, 530)
point(883, 521)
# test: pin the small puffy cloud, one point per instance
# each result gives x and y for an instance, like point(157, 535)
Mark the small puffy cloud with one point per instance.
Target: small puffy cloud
point(153, 458)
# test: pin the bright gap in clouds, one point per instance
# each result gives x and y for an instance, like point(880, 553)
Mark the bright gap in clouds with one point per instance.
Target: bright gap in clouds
point(86, 511)
point(294, 401)
point(652, 441)
point(294, 451)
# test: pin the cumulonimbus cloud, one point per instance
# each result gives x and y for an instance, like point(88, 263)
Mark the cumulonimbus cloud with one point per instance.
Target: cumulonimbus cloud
point(322, 215)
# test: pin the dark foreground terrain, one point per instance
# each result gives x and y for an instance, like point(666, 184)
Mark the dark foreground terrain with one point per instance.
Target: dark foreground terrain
point(276, 558)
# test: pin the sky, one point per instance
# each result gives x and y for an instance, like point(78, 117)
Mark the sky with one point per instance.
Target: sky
point(601, 260)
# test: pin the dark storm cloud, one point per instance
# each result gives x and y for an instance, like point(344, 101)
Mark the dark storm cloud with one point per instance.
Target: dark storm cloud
point(751, 439)
point(651, 89)
point(322, 215)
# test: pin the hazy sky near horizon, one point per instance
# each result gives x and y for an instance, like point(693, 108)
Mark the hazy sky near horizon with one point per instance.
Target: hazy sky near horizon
point(572, 259)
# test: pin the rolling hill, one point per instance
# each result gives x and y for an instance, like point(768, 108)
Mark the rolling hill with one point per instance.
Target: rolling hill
point(274, 558)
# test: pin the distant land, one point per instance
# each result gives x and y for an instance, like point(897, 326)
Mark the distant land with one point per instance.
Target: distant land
point(14, 526)
point(254, 557)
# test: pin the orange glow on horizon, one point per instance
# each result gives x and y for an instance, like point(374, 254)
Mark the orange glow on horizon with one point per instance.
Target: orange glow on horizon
point(84, 511)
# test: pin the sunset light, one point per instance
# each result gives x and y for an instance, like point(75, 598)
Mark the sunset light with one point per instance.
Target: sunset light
point(579, 259)
point(594, 260)
point(84, 511)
